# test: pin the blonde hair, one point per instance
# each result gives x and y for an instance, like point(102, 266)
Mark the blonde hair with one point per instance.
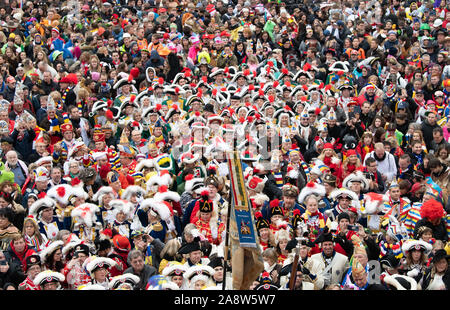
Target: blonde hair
point(270, 253)
point(56, 95)
point(36, 234)
point(170, 248)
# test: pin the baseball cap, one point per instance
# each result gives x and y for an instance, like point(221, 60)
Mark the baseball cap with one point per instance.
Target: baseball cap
point(437, 23)
point(126, 35)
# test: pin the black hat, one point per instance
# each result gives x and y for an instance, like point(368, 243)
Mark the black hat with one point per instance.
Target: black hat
point(343, 215)
point(189, 247)
point(329, 179)
point(102, 244)
point(261, 222)
point(390, 261)
point(204, 203)
point(275, 208)
point(440, 254)
point(216, 261)
point(82, 248)
point(324, 236)
point(209, 108)
point(32, 260)
point(7, 139)
point(212, 180)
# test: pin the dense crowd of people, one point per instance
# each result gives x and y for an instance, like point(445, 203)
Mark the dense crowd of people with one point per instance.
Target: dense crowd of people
point(116, 118)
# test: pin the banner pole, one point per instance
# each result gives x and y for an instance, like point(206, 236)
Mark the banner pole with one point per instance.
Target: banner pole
point(227, 233)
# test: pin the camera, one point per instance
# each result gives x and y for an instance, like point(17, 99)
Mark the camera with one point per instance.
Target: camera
point(353, 227)
point(2, 262)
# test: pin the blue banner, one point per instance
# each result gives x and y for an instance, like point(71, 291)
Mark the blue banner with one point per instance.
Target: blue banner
point(241, 210)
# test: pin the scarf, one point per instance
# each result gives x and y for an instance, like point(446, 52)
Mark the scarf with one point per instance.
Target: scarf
point(54, 124)
point(315, 222)
point(64, 94)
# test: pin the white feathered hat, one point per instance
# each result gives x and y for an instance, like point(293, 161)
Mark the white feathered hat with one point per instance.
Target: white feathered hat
point(133, 190)
point(104, 190)
point(127, 278)
point(372, 202)
point(120, 205)
point(51, 247)
point(77, 192)
point(91, 287)
point(160, 208)
point(60, 193)
point(165, 194)
point(189, 158)
point(401, 282)
point(174, 269)
point(48, 276)
point(311, 188)
point(255, 183)
point(259, 199)
point(145, 163)
point(356, 176)
point(192, 183)
point(39, 205)
point(99, 262)
point(335, 194)
point(162, 178)
point(419, 245)
point(85, 213)
point(199, 272)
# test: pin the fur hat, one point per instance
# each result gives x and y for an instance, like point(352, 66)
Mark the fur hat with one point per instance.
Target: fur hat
point(86, 213)
point(261, 222)
point(400, 282)
point(60, 193)
point(290, 190)
point(126, 278)
point(48, 276)
point(311, 188)
point(50, 248)
point(357, 176)
point(256, 183)
point(165, 194)
point(99, 262)
point(104, 190)
point(39, 205)
point(133, 190)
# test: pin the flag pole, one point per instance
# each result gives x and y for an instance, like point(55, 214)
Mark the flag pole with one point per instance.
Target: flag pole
point(225, 254)
point(227, 233)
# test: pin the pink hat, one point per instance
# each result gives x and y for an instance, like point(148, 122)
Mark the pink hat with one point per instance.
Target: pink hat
point(95, 76)
point(194, 40)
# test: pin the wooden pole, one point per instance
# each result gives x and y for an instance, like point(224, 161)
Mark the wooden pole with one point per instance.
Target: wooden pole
point(227, 238)
point(294, 267)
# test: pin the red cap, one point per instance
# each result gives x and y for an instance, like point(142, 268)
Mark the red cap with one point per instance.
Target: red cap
point(351, 152)
point(328, 146)
point(121, 243)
